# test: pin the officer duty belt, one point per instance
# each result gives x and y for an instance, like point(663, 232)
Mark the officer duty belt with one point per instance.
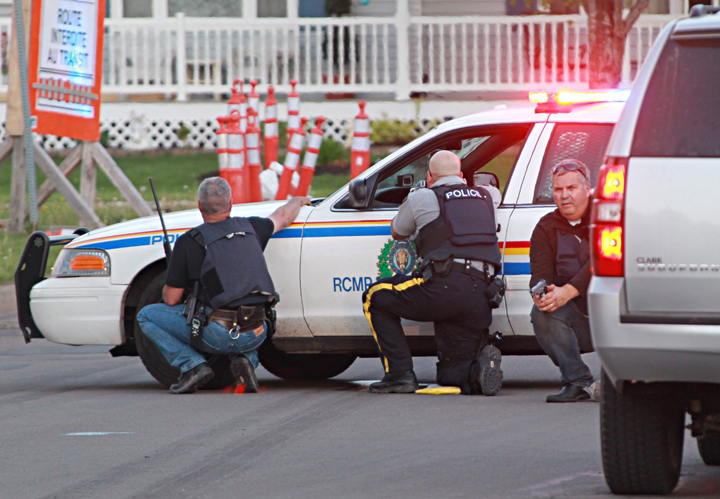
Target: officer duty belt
point(245, 317)
point(467, 268)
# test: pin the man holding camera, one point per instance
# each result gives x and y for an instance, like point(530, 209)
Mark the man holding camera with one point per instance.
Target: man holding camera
point(560, 266)
point(455, 231)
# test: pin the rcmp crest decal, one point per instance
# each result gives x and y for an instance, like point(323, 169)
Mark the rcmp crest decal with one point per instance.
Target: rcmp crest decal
point(397, 257)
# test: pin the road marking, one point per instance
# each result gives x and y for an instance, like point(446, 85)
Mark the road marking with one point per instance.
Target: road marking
point(96, 433)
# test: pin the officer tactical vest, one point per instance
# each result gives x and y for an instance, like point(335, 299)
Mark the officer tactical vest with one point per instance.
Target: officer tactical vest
point(234, 265)
point(465, 227)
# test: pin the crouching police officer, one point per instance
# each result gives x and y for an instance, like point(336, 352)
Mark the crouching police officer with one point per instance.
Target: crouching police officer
point(222, 261)
point(456, 239)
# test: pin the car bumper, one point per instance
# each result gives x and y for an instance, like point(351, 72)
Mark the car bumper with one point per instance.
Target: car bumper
point(649, 352)
point(78, 310)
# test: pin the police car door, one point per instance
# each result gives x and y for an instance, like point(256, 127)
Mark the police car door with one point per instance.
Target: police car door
point(347, 246)
point(558, 141)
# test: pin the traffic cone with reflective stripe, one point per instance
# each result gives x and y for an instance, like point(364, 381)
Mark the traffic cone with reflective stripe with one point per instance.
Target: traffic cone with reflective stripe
point(254, 98)
point(253, 152)
point(310, 159)
point(272, 140)
point(360, 150)
point(236, 171)
point(238, 103)
point(222, 143)
point(293, 104)
point(291, 161)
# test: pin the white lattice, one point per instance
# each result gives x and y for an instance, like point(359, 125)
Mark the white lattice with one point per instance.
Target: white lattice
point(140, 133)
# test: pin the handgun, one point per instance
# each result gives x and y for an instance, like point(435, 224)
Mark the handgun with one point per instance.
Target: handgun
point(539, 289)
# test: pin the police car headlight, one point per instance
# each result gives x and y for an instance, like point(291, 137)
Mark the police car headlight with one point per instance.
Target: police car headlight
point(81, 262)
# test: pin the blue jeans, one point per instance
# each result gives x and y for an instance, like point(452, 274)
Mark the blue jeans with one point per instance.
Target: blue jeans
point(562, 334)
point(167, 327)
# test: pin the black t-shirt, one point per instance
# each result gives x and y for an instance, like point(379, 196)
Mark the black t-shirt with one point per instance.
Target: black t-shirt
point(188, 256)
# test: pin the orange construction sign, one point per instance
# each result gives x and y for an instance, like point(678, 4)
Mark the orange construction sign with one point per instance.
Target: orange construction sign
point(65, 67)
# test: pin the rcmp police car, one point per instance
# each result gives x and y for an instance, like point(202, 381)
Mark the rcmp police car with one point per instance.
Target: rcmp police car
point(333, 251)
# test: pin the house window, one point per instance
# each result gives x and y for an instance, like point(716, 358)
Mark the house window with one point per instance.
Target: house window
point(203, 8)
point(137, 8)
point(272, 8)
point(312, 8)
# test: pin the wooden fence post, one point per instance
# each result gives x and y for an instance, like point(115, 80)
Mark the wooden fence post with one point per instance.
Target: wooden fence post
point(88, 175)
point(18, 185)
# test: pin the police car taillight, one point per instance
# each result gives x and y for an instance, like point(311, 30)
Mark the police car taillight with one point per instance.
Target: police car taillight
point(607, 222)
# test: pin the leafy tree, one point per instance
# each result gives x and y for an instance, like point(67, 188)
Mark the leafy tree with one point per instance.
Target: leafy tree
point(608, 30)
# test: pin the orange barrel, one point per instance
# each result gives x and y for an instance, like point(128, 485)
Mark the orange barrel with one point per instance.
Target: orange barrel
point(360, 150)
point(254, 98)
point(252, 138)
point(222, 142)
point(236, 160)
point(291, 161)
point(293, 104)
point(310, 159)
point(238, 103)
point(272, 139)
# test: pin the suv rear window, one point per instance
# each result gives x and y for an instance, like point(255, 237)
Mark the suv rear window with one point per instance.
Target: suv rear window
point(680, 115)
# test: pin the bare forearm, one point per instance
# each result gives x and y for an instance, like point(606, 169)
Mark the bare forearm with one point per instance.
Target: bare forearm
point(287, 213)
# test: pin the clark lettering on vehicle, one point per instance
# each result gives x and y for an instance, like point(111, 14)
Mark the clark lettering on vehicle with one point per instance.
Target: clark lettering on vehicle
point(349, 284)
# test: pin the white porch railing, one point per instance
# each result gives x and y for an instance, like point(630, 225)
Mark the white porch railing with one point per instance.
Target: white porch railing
point(400, 54)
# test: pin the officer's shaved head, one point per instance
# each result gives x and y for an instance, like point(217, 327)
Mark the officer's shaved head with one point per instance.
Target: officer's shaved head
point(443, 164)
point(214, 195)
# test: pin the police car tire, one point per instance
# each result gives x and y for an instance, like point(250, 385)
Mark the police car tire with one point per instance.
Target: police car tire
point(302, 367)
point(709, 448)
point(642, 441)
point(153, 360)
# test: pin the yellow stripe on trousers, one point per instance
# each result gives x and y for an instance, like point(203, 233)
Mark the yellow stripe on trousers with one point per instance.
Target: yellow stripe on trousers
point(366, 306)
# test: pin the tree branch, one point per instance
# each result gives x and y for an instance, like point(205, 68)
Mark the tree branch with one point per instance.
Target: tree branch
point(636, 9)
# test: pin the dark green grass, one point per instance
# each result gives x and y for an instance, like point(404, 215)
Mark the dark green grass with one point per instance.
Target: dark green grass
point(176, 178)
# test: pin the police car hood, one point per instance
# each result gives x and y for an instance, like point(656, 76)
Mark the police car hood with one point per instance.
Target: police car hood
point(173, 221)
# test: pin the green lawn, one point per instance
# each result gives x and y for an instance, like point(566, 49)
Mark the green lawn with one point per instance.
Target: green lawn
point(176, 178)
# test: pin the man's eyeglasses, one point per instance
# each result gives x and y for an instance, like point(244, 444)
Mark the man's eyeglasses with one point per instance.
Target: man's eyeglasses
point(571, 166)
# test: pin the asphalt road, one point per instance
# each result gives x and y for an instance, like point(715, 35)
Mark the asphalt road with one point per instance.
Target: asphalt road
point(76, 423)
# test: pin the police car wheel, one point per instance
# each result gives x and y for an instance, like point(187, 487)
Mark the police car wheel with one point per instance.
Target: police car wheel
point(709, 448)
point(642, 440)
point(302, 367)
point(153, 360)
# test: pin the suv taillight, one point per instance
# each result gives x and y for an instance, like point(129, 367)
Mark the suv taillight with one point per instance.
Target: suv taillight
point(607, 245)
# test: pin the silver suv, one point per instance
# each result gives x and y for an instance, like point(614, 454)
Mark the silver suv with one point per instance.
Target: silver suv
point(655, 295)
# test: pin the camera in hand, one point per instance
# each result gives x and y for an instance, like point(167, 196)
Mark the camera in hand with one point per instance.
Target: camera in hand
point(539, 289)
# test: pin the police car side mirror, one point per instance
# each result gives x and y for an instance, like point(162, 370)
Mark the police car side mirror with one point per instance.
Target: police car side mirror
point(358, 193)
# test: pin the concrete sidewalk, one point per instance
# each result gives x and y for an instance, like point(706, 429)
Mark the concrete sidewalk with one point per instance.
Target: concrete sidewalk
point(8, 307)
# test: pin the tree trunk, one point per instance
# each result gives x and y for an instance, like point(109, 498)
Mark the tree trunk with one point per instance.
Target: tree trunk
point(607, 31)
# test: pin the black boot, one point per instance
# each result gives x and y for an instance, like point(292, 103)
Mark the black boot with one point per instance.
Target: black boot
point(244, 373)
point(396, 382)
point(191, 380)
point(569, 393)
point(491, 376)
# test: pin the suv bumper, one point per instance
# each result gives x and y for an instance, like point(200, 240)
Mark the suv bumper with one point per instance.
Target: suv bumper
point(649, 352)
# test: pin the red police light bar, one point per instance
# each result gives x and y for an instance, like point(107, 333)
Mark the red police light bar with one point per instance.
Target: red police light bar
point(539, 97)
point(546, 101)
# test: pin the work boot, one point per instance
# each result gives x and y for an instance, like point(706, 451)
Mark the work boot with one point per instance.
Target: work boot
point(396, 382)
point(244, 373)
point(191, 380)
point(490, 374)
point(569, 393)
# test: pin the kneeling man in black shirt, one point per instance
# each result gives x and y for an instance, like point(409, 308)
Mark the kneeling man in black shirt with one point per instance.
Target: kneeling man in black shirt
point(225, 256)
